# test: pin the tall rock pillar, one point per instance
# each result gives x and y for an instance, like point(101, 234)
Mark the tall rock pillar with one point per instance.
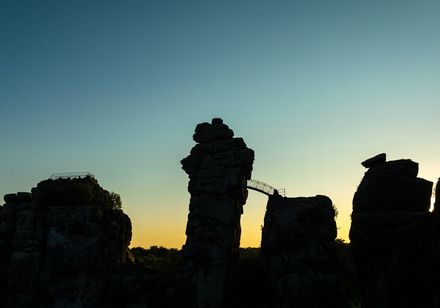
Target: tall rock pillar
point(394, 237)
point(218, 168)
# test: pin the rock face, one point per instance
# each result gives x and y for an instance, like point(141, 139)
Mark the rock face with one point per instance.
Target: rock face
point(62, 246)
point(394, 238)
point(218, 168)
point(298, 253)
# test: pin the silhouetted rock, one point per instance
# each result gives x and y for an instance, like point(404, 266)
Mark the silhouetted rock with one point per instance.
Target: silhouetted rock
point(218, 168)
point(379, 159)
point(437, 198)
point(394, 238)
point(299, 253)
point(62, 246)
point(10, 198)
point(206, 132)
point(393, 186)
point(71, 192)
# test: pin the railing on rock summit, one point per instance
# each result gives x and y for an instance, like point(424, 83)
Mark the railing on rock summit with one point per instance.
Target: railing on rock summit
point(265, 188)
point(71, 175)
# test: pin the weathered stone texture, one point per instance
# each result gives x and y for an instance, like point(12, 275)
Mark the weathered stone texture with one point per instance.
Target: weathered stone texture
point(393, 186)
point(52, 255)
point(218, 168)
point(298, 252)
point(394, 237)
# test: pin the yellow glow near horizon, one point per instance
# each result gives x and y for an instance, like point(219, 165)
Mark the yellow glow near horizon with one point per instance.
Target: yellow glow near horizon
point(164, 227)
point(159, 229)
point(312, 89)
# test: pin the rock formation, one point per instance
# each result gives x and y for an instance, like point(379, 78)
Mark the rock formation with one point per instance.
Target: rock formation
point(218, 168)
point(63, 245)
point(298, 252)
point(394, 238)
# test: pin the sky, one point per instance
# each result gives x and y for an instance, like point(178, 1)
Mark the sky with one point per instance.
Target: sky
point(314, 88)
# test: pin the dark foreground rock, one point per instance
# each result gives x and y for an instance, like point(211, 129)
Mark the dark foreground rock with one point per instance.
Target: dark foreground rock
point(395, 238)
point(64, 246)
point(218, 168)
point(299, 253)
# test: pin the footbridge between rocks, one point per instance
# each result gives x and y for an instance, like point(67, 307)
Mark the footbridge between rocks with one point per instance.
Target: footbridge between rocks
point(265, 188)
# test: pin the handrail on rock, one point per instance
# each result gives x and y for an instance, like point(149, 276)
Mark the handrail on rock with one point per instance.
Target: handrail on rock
point(71, 175)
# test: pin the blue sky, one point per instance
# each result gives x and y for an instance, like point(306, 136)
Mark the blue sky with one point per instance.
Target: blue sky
point(314, 87)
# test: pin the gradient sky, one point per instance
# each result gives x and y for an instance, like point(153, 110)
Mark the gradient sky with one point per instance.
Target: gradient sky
point(314, 87)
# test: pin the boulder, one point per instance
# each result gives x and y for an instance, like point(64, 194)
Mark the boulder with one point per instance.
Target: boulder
point(10, 198)
point(379, 159)
point(23, 197)
point(391, 192)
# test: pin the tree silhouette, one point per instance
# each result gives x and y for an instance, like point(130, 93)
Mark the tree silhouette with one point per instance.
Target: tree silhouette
point(116, 202)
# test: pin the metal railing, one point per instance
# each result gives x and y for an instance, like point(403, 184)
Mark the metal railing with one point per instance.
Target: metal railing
point(71, 175)
point(264, 188)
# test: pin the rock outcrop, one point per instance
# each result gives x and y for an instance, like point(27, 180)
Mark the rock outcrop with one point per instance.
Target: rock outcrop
point(395, 239)
point(218, 168)
point(299, 253)
point(63, 245)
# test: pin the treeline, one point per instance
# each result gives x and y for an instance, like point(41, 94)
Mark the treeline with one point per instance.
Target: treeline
point(74, 192)
point(248, 280)
point(157, 258)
